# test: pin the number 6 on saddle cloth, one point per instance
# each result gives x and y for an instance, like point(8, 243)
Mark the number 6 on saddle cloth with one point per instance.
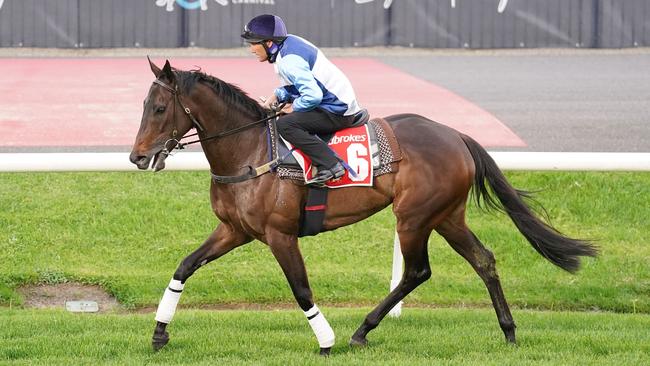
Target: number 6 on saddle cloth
point(352, 146)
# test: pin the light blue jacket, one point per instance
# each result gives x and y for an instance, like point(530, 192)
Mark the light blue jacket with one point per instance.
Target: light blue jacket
point(310, 80)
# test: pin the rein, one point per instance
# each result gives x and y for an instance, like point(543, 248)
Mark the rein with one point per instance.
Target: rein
point(181, 145)
point(251, 172)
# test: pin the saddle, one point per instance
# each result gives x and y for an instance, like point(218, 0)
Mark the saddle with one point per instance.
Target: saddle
point(383, 157)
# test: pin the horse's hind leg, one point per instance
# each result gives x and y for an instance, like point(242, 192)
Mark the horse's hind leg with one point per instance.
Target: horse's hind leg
point(463, 240)
point(416, 271)
point(220, 242)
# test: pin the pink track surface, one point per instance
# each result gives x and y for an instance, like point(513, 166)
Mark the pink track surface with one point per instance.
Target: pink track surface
point(98, 102)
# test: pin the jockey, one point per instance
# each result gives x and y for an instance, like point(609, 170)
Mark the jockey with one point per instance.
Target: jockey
point(321, 96)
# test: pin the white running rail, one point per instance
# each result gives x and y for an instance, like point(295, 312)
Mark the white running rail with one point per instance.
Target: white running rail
point(569, 161)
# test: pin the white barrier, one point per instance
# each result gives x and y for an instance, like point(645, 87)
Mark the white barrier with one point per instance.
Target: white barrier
point(571, 161)
point(90, 162)
point(48, 162)
point(396, 277)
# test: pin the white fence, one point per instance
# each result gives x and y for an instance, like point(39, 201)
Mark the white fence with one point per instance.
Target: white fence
point(569, 161)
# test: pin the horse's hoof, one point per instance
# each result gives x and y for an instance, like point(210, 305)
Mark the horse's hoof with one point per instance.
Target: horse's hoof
point(510, 338)
point(325, 352)
point(159, 340)
point(358, 342)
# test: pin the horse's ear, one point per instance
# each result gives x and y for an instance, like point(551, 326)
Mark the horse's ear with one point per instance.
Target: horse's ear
point(167, 71)
point(156, 71)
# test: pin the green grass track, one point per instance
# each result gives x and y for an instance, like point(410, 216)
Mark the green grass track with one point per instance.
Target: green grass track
point(127, 232)
point(419, 337)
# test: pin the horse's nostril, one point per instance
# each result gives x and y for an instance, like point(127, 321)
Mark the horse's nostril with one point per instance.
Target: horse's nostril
point(136, 158)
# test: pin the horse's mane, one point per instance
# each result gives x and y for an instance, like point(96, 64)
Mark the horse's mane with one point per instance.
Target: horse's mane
point(231, 94)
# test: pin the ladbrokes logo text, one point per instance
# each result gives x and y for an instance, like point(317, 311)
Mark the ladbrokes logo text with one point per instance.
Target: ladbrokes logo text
point(354, 138)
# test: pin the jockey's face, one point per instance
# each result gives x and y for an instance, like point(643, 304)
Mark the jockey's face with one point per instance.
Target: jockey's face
point(258, 50)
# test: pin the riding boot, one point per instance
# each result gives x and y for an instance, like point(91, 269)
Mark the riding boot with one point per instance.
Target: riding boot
point(324, 175)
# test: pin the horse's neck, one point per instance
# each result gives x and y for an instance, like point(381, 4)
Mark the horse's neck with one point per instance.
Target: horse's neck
point(229, 154)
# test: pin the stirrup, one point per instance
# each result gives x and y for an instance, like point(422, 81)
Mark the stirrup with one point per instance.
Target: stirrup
point(323, 176)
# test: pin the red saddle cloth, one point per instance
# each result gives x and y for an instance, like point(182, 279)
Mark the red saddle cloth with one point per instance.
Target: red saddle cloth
point(352, 145)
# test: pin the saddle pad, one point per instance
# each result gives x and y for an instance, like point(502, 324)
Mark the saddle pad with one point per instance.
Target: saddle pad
point(352, 146)
point(385, 153)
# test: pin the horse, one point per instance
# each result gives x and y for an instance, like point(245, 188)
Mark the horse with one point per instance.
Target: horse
point(429, 192)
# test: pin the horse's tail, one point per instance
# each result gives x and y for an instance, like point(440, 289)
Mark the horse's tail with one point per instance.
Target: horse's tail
point(560, 250)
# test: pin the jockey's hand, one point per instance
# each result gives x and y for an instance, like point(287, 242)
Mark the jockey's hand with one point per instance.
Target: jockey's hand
point(270, 102)
point(288, 108)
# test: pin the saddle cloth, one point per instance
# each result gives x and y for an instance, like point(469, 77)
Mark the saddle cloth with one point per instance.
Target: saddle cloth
point(381, 159)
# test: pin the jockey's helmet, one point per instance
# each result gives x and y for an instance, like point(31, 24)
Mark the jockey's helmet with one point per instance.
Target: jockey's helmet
point(265, 27)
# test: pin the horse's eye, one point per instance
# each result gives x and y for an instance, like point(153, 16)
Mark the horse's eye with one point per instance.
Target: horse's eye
point(160, 109)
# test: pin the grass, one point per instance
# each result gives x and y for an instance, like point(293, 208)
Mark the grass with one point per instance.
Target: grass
point(128, 232)
point(419, 337)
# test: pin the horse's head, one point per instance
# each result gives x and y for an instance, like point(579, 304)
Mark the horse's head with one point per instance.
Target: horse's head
point(163, 121)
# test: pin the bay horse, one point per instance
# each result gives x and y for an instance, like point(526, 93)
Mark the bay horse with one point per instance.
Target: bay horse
point(429, 191)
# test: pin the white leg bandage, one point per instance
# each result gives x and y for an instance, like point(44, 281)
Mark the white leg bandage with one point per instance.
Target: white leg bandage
point(321, 327)
point(167, 306)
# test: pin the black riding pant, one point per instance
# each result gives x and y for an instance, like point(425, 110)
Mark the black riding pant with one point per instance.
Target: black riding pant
point(298, 128)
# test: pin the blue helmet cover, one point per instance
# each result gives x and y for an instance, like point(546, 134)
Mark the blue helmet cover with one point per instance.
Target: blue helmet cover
point(265, 27)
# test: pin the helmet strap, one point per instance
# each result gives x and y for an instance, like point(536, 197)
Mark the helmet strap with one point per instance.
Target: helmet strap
point(272, 51)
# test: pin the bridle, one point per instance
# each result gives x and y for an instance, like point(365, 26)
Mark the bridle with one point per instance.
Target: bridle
point(252, 172)
point(195, 122)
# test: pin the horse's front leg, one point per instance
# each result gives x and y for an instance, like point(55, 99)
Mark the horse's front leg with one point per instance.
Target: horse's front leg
point(286, 251)
point(220, 242)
